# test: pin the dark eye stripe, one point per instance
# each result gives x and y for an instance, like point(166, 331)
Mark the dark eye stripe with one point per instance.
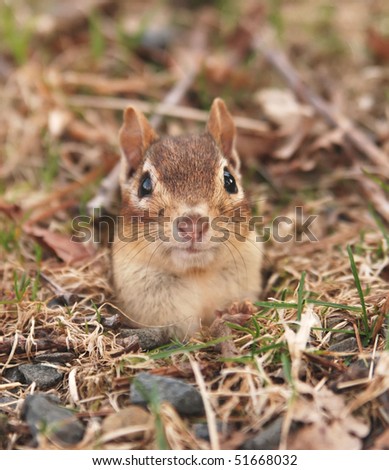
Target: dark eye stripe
point(146, 186)
point(229, 182)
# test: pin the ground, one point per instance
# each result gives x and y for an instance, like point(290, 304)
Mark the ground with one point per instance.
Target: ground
point(309, 368)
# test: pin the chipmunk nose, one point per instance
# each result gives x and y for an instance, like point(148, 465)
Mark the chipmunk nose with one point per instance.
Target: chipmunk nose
point(192, 227)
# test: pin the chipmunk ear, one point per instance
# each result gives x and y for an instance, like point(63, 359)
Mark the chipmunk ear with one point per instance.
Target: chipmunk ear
point(135, 137)
point(222, 128)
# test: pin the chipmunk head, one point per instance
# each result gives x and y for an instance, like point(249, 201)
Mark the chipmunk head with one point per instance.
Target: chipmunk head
point(182, 192)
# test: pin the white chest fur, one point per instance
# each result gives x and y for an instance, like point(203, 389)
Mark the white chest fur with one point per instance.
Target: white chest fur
point(153, 297)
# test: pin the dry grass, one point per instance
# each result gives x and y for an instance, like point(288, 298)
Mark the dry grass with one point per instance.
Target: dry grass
point(54, 151)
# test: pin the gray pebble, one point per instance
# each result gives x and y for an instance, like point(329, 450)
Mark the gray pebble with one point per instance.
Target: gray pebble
point(58, 423)
point(267, 439)
point(157, 38)
point(45, 377)
point(62, 301)
point(347, 345)
point(148, 338)
point(201, 430)
point(184, 397)
point(13, 374)
point(8, 402)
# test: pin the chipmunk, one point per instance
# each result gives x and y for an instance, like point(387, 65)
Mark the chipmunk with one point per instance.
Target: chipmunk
point(183, 249)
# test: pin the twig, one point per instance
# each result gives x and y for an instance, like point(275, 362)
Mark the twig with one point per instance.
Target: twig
point(57, 289)
point(383, 313)
point(106, 194)
point(69, 189)
point(360, 141)
point(163, 109)
point(210, 414)
point(358, 338)
point(326, 363)
point(19, 346)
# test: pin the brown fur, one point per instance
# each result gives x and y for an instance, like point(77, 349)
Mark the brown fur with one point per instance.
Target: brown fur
point(160, 283)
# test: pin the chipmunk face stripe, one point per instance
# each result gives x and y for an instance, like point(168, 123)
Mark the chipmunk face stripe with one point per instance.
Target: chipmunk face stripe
point(189, 186)
point(186, 165)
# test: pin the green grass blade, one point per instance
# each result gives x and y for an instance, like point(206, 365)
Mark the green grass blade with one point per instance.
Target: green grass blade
point(360, 291)
point(334, 330)
point(322, 303)
point(185, 348)
point(276, 304)
point(300, 296)
point(237, 327)
point(154, 402)
point(287, 367)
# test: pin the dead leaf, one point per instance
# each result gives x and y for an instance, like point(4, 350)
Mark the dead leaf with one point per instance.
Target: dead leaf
point(295, 139)
point(325, 424)
point(327, 140)
point(282, 107)
point(132, 416)
point(382, 441)
point(238, 313)
point(62, 245)
point(323, 436)
point(378, 44)
point(9, 209)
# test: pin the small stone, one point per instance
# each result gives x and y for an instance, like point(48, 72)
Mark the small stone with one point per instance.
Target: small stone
point(113, 322)
point(56, 422)
point(3, 430)
point(127, 417)
point(157, 38)
point(13, 374)
point(56, 357)
point(8, 402)
point(184, 397)
point(357, 370)
point(64, 300)
point(201, 430)
point(148, 338)
point(45, 377)
point(346, 345)
point(267, 439)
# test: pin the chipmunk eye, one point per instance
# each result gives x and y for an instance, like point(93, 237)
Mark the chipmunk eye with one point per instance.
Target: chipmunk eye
point(229, 182)
point(146, 187)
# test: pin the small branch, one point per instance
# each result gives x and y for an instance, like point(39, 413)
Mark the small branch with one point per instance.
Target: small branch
point(105, 196)
point(163, 109)
point(209, 412)
point(333, 117)
point(57, 344)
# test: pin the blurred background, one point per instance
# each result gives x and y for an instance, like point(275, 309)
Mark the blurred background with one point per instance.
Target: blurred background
point(54, 55)
point(307, 82)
